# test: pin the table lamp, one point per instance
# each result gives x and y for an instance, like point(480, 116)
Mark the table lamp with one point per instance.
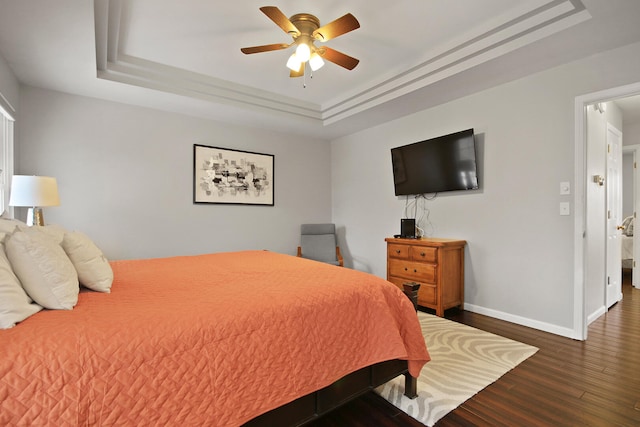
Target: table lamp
point(34, 192)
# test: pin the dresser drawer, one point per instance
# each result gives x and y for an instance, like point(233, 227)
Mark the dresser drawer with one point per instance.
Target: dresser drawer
point(426, 294)
point(420, 272)
point(398, 251)
point(399, 281)
point(423, 254)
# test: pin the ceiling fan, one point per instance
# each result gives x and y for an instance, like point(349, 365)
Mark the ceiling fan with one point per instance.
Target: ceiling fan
point(305, 30)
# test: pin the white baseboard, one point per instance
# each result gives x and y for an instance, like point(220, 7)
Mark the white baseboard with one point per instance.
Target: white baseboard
point(593, 316)
point(535, 324)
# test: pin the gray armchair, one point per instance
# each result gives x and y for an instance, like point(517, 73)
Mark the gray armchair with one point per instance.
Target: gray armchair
point(318, 242)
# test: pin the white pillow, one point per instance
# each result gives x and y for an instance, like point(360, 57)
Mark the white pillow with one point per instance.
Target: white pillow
point(8, 225)
point(94, 270)
point(15, 304)
point(44, 269)
point(53, 231)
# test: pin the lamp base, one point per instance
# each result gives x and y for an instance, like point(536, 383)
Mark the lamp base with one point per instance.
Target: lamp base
point(35, 216)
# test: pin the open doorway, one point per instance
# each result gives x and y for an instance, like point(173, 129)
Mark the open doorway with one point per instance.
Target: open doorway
point(592, 272)
point(630, 244)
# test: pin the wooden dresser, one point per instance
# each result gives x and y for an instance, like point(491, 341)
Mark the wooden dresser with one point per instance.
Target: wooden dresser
point(437, 264)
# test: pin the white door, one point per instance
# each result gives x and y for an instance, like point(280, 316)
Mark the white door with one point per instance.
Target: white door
point(614, 215)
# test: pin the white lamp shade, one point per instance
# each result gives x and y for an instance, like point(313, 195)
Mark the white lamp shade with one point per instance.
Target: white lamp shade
point(34, 191)
point(294, 63)
point(303, 52)
point(315, 62)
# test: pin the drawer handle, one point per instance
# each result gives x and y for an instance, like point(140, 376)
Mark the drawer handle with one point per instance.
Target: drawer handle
point(415, 271)
point(398, 251)
point(422, 254)
point(405, 269)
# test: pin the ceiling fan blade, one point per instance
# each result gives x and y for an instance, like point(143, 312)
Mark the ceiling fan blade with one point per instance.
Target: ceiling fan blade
point(299, 73)
point(280, 19)
point(265, 48)
point(336, 28)
point(338, 58)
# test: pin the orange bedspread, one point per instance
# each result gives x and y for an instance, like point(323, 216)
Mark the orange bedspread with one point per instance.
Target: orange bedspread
point(202, 340)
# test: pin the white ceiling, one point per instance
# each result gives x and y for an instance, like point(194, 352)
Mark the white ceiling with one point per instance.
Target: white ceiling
point(184, 56)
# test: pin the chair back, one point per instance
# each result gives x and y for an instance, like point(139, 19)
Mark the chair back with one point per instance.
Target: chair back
point(318, 242)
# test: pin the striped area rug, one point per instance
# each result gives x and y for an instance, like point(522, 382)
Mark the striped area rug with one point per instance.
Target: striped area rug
point(464, 360)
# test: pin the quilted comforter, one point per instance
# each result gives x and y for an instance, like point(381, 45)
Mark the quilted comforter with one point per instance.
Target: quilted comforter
point(209, 340)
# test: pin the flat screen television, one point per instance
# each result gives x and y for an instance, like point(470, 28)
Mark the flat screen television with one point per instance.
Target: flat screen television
point(445, 163)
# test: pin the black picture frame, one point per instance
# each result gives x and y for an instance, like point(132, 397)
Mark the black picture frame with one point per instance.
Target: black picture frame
point(232, 177)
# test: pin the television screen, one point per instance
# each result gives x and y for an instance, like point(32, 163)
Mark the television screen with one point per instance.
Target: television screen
point(445, 163)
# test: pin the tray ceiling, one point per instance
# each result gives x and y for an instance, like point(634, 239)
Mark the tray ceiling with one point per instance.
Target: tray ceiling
point(185, 56)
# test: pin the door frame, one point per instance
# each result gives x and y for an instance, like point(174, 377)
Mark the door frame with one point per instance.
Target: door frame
point(580, 160)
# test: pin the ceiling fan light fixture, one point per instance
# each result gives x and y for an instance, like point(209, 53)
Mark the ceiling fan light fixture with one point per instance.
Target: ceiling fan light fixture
point(315, 61)
point(303, 52)
point(305, 30)
point(294, 63)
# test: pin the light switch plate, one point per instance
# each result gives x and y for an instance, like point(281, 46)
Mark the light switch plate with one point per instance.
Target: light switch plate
point(565, 209)
point(565, 188)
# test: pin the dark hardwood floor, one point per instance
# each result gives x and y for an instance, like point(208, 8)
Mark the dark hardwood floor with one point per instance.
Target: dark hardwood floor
point(566, 383)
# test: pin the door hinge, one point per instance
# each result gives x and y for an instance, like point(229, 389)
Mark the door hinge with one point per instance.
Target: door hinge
point(608, 148)
point(608, 214)
point(635, 165)
point(608, 280)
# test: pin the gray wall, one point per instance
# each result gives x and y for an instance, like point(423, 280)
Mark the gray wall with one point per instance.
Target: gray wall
point(125, 177)
point(630, 136)
point(631, 132)
point(627, 184)
point(519, 262)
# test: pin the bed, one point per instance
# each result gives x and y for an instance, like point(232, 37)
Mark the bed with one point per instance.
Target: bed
point(216, 339)
point(626, 241)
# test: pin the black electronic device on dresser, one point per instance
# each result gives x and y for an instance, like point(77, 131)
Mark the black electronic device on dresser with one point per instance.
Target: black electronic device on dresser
point(408, 228)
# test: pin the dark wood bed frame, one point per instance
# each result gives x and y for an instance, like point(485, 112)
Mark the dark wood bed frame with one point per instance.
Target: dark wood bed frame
point(314, 405)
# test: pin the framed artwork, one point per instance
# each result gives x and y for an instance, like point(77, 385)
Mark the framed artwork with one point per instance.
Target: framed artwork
point(221, 175)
